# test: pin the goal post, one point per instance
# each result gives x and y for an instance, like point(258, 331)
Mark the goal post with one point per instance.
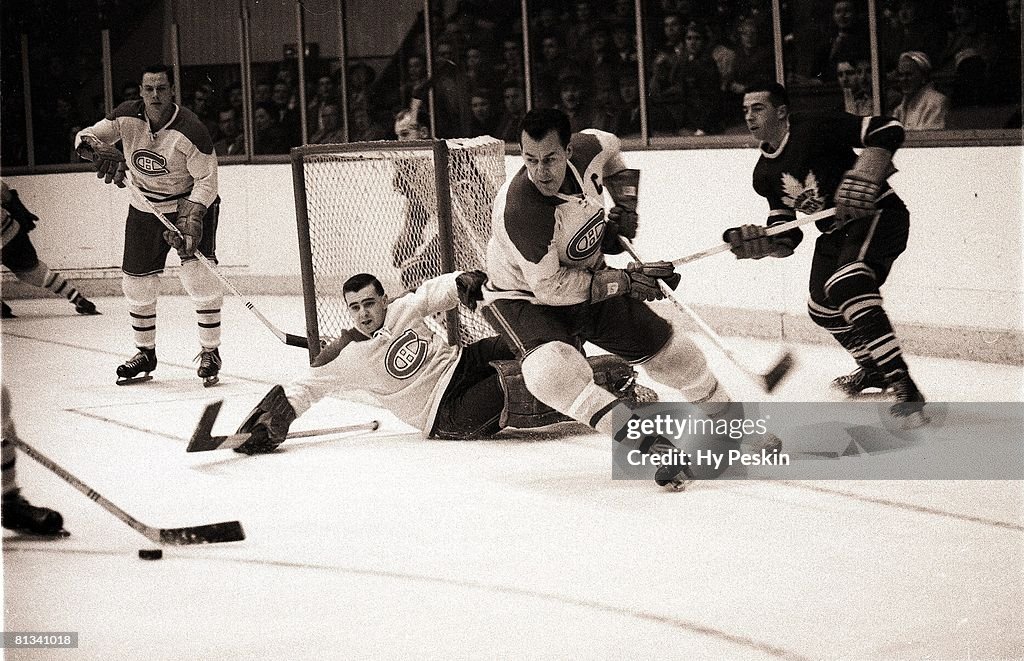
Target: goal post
point(403, 211)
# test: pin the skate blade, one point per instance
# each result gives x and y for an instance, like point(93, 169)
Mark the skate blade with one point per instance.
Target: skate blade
point(676, 486)
point(210, 381)
point(133, 380)
point(29, 535)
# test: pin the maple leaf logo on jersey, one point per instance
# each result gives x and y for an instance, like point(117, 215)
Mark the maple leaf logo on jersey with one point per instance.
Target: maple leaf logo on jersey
point(149, 163)
point(803, 197)
point(588, 239)
point(405, 355)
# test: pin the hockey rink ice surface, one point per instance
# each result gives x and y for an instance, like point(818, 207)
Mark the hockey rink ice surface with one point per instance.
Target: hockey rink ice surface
point(384, 545)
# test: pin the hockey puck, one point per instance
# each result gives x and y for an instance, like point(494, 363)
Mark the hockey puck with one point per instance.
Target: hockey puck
point(151, 554)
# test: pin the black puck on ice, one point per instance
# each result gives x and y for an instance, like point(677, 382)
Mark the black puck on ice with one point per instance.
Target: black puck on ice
point(151, 554)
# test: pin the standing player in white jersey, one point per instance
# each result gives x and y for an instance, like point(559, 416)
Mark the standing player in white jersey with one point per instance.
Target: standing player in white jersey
point(395, 361)
point(549, 288)
point(171, 159)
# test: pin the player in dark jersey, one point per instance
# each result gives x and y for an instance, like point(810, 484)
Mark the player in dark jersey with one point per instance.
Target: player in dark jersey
point(808, 164)
point(19, 255)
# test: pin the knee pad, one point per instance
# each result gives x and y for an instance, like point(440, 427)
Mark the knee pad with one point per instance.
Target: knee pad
point(853, 289)
point(201, 285)
point(141, 291)
point(35, 275)
point(681, 364)
point(829, 318)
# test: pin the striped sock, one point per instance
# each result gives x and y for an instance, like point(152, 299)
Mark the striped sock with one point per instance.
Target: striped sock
point(56, 283)
point(209, 327)
point(144, 325)
point(875, 329)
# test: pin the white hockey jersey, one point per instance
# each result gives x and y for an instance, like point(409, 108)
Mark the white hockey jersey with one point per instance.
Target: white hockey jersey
point(174, 162)
point(405, 367)
point(542, 248)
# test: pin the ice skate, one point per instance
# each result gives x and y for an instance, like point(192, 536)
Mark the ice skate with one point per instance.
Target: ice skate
point(909, 407)
point(673, 478)
point(85, 307)
point(7, 313)
point(859, 380)
point(209, 366)
point(20, 515)
point(143, 361)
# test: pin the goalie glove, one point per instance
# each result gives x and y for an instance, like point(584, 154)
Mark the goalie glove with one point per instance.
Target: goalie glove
point(267, 424)
point(107, 159)
point(857, 194)
point(470, 285)
point(190, 228)
point(638, 280)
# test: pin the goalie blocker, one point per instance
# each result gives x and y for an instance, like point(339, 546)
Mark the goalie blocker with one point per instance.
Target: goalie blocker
point(510, 404)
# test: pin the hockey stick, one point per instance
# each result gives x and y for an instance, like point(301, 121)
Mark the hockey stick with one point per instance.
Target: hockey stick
point(772, 231)
point(212, 533)
point(202, 441)
point(767, 380)
point(287, 338)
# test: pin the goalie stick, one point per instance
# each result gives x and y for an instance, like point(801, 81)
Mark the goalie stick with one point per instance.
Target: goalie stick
point(287, 338)
point(202, 441)
point(767, 380)
point(772, 231)
point(212, 533)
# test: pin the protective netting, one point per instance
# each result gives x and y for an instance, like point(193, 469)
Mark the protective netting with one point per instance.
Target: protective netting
point(372, 207)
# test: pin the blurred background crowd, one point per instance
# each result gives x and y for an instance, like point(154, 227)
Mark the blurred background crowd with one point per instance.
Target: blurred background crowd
point(269, 75)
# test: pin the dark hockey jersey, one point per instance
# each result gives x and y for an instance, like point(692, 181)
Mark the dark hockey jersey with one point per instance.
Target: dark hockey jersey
point(804, 172)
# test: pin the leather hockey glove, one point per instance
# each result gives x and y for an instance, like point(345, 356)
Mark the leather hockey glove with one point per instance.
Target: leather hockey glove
point(857, 194)
point(469, 285)
point(267, 424)
point(190, 225)
point(622, 222)
point(639, 280)
point(750, 242)
point(107, 159)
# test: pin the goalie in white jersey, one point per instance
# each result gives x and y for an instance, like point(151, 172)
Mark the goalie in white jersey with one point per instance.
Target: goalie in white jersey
point(394, 360)
point(171, 159)
point(550, 289)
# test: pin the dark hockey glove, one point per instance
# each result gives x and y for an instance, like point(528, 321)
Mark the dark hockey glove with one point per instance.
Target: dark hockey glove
point(107, 159)
point(267, 424)
point(750, 242)
point(622, 222)
point(190, 228)
point(13, 204)
point(470, 285)
point(638, 280)
point(857, 195)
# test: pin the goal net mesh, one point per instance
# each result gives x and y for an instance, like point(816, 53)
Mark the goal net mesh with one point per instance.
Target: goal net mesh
point(384, 208)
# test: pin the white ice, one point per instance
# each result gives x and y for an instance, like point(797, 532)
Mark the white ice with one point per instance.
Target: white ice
point(385, 545)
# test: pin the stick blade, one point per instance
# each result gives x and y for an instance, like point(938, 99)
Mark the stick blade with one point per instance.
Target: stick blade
point(212, 533)
point(775, 375)
point(201, 440)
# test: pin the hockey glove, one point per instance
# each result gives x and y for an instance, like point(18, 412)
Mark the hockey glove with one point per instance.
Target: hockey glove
point(470, 285)
point(190, 228)
point(638, 280)
point(107, 159)
point(13, 204)
point(857, 194)
point(622, 222)
point(750, 242)
point(267, 424)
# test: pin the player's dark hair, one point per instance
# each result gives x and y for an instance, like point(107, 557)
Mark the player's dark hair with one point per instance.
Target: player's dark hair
point(539, 121)
point(361, 280)
point(160, 68)
point(777, 94)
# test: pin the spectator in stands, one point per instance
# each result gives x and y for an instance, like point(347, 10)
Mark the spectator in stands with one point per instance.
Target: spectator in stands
point(477, 70)
point(600, 61)
point(854, 76)
point(627, 120)
point(581, 23)
point(1005, 76)
point(262, 92)
point(203, 106)
point(234, 101)
point(267, 135)
point(698, 75)
point(923, 107)
point(330, 131)
point(511, 67)
point(966, 58)
point(665, 88)
point(130, 91)
point(723, 55)
point(915, 29)
point(415, 78)
point(514, 101)
point(847, 35)
point(325, 92)
point(230, 141)
point(624, 42)
point(286, 116)
point(552, 65)
point(755, 62)
point(483, 120)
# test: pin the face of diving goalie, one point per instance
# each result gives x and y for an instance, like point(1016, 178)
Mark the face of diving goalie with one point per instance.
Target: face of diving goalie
point(367, 309)
point(545, 161)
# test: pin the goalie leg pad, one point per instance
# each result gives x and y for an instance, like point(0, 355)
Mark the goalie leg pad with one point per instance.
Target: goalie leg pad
point(524, 411)
point(267, 424)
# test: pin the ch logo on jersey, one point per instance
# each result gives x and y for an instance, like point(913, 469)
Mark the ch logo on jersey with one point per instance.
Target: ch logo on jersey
point(149, 163)
point(804, 197)
point(405, 355)
point(588, 239)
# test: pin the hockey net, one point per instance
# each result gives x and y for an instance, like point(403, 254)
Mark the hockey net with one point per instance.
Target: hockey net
point(403, 211)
